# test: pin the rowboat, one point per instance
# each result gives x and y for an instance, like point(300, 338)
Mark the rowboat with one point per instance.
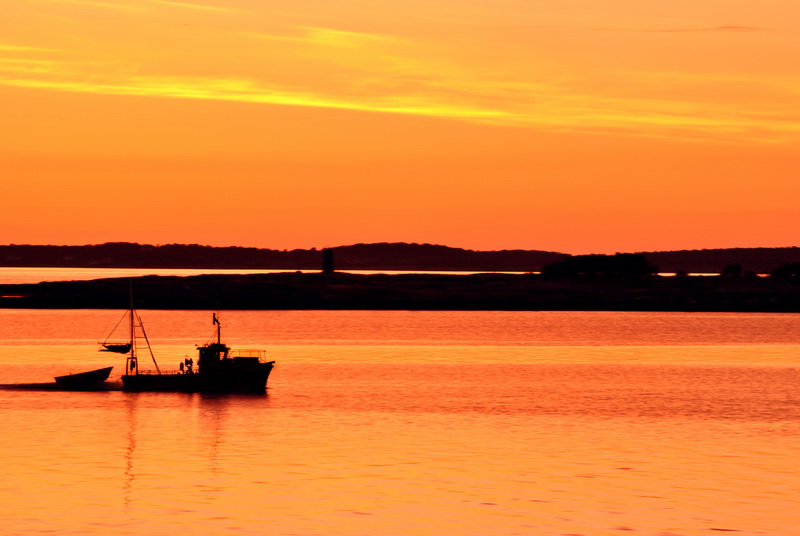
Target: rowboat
point(90, 378)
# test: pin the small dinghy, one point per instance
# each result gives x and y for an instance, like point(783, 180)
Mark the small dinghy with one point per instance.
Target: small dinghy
point(91, 378)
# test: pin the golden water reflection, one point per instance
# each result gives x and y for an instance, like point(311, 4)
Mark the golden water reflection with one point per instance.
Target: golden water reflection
point(426, 439)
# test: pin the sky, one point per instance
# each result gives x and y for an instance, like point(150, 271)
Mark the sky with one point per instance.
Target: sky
point(578, 126)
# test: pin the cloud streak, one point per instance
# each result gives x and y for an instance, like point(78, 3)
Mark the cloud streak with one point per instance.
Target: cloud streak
point(4, 47)
point(564, 113)
point(200, 7)
point(99, 4)
point(319, 67)
point(242, 90)
point(714, 29)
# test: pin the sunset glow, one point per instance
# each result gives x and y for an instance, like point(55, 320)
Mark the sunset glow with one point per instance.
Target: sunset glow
point(578, 126)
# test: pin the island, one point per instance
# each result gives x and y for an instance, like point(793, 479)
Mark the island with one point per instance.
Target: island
point(481, 291)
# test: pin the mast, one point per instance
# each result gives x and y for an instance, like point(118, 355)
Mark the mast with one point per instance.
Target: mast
point(132, 359)
point(136, 322)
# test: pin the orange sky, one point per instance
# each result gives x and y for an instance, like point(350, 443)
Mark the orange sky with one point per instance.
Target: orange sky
point(576, 126)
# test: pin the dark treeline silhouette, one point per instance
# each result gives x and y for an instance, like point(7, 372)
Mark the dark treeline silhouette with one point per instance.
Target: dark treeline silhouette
point(714, 261)
point(128, 255)
point(380, 256)
point(626, 265)
point(788, 271)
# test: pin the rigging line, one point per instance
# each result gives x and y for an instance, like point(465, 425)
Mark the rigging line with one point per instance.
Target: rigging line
point(124, 316)
point(147, 341)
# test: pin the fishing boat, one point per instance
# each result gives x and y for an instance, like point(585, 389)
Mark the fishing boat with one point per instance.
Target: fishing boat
point(84, 380)
point(219, 369)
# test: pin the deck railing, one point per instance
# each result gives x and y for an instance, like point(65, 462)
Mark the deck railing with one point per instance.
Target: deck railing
point(157, 373)
point(260, 354)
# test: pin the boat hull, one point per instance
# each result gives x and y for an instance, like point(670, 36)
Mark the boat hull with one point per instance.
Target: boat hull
point(253, 380)
point(90, 378)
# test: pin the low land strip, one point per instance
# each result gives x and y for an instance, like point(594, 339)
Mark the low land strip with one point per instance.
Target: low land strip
point(526, 292)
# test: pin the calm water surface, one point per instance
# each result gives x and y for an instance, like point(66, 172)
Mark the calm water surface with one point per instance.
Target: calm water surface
point(423, 423)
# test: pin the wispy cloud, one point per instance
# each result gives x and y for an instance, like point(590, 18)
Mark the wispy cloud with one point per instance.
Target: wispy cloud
point(5, 47)
point(143, 5)
point(550, 111)
point(243, 90)
point(322, 67)
point(341, 38)
point(326, 37)
point(119, 6)
point(14, 65)
point(714, 29)
point(730, 28)
point(201, 7)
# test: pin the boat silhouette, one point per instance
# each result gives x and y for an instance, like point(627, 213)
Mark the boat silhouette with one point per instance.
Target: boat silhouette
point(84, 380)
point(219, 369)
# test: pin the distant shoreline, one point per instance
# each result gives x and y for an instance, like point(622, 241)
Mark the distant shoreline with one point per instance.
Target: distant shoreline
point(33, 275)
point(377, 256)
point(344, 291)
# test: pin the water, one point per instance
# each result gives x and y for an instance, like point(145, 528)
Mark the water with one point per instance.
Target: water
point(23, 275)
point(423, 423)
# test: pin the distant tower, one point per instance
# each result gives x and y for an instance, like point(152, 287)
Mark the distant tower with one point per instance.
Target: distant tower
point(327, 261)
